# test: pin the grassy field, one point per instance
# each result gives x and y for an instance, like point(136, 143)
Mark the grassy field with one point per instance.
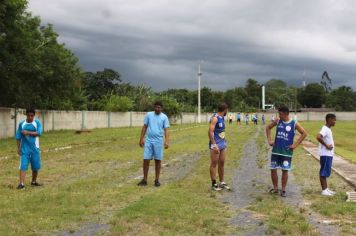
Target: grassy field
point(93, 182)
point(344, 137)
point(92, 177)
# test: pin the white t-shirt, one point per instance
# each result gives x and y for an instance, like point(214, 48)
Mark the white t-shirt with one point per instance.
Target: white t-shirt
point(328, 139)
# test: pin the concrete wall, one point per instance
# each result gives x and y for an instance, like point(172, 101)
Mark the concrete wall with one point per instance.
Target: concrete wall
point(76, 120)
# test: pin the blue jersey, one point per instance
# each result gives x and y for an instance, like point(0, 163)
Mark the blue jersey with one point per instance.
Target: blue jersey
point(219, 130)
point(29, 144)
point(285, 133)
point(155, 126)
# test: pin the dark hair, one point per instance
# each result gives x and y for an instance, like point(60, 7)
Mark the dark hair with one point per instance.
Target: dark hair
point(222, 107)
point(284, 109)
point(158, 103)
point(330, 116)
point(30, 110)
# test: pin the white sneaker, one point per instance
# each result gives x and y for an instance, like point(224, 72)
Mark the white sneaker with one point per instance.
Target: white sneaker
point(325, 192)
point(332, 192)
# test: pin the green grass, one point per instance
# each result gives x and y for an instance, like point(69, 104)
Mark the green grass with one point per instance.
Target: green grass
point(344, 134)
point(306, 170)
point(91, 183)
point(282, 219)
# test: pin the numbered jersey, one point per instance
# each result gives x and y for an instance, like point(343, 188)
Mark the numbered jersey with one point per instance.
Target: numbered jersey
point(219, 130)
point(284, 138)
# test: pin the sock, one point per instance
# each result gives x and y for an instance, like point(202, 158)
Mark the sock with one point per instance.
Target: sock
point(213, 182)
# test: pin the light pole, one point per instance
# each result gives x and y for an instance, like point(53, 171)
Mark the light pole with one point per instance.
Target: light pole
point(199, 101)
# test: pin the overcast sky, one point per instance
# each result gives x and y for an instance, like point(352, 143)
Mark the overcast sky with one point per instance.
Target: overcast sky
point(161, 42)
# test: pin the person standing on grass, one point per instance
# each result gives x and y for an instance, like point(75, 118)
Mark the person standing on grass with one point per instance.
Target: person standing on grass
point(246, 118)
point(230, 119)
point(238, 118)
point(263, 119)
point(28, 147)
point(283, 146)
point(217, 146)
point(326, 152)
point(155, 126)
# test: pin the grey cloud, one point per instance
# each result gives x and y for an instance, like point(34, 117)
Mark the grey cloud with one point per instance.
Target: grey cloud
point(160, 43)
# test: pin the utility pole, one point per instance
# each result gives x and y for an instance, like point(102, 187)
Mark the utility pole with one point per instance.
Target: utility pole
point(199, 101)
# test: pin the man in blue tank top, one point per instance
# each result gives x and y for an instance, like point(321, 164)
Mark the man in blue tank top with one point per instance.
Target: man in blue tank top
point(283, 146)
point(217, 146)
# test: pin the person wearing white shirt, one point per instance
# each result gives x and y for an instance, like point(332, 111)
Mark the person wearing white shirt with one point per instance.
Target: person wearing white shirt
point(326, 152)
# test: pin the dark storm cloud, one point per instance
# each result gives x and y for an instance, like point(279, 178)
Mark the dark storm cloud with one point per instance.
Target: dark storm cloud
point(160, 43)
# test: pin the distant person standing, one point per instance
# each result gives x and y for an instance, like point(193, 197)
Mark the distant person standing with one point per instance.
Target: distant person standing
point(247, 118)
point(283, 146)
point(217, 146)
point(255, 119)
point(326, 152)
point(230, 119)
point(238, 118)
point(28, 147)
point(263, 119)
point(272, 118)
point(155, 126)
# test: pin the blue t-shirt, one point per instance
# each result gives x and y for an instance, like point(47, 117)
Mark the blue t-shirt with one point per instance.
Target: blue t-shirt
point(285, 133)
point(29, 144)
point(155, 126)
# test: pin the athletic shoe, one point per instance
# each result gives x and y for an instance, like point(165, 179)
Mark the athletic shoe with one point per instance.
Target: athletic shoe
point(332, 192)
point(223, 185)
point(273, 191)
point(157, 183)
point(142, 183)
point(35, 184)
point(325, 192)
point(283, 194)
point(216, 187)
point(20, 186)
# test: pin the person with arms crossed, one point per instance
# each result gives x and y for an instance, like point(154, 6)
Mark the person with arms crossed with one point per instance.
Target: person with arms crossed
point(326, 152)
point(283, 146)
point(28, 147)
point(155, 126)
point(217, 146)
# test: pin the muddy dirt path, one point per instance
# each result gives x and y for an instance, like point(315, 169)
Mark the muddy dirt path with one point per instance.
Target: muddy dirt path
point(251, 182)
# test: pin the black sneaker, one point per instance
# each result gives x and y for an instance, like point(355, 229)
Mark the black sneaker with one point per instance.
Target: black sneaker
point(142, 183)
point(21, 186)
point(216, 187)
point(157, 183)
point(283, 194)
point(35, 184)
point(223, 185)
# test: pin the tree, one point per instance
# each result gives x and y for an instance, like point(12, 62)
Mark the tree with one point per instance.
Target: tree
point(100, 83)
point(342, 98)
point(253, 92)
point(35, 69)
point(312, 96)
point(326, 81)
point(113, 102)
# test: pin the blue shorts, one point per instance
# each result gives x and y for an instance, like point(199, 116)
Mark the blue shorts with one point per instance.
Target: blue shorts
point(325, 165)
point(221, 145)
point(33, 158)
point(153, 150)
point(280, 162)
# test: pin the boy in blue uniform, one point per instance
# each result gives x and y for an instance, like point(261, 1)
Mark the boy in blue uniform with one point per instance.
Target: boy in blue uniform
point(217, 146)
point(283, 147)
point(156, 125)
point(28, 148)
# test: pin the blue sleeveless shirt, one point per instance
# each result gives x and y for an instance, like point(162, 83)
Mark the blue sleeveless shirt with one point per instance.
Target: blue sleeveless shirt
point(219, 130)
point(285, 133)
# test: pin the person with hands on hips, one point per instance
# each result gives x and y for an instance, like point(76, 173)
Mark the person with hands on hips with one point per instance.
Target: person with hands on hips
point(283, 146)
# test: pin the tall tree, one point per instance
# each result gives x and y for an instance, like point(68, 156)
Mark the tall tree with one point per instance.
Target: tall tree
point(313, 95)
point(326, 81)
